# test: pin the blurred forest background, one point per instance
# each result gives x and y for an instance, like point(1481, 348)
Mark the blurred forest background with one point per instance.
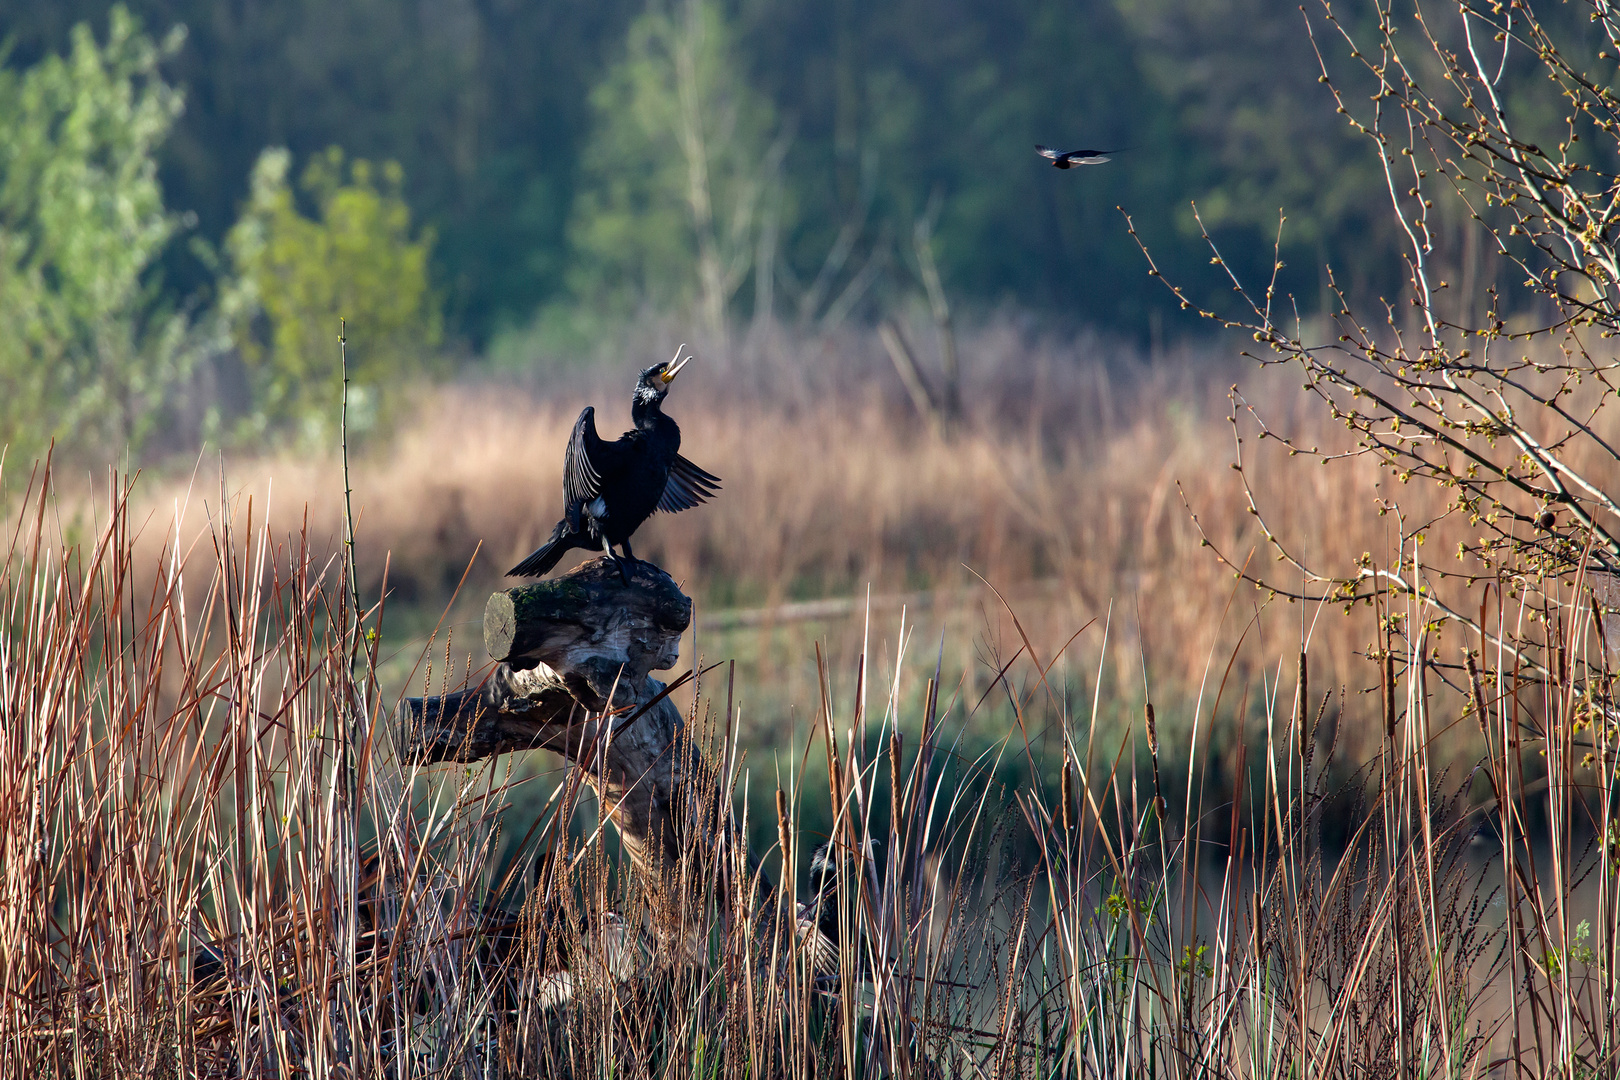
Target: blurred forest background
point(191, 191)
point(517, 205)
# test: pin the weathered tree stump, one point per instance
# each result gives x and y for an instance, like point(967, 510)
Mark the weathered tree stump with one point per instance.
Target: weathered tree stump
point(575, 655)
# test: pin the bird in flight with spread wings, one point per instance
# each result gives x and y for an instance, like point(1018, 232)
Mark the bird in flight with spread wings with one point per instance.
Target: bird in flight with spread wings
point(610, 488)
point(1070, 159)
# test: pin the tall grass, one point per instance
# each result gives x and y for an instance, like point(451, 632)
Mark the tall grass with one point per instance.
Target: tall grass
point(1070, 483)
point(189, 889)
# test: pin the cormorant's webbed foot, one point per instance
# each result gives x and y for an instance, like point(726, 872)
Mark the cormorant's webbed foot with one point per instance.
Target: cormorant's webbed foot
point(623, 576)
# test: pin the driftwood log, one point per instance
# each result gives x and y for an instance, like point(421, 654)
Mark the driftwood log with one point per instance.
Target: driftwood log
point(575, 655)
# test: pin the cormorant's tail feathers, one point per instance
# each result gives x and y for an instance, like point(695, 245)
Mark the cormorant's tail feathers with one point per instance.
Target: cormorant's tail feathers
point(547, 555)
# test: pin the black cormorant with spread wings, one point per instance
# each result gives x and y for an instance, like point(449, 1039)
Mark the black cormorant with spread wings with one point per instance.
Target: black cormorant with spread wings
point(610, 488)
point(1069, 159)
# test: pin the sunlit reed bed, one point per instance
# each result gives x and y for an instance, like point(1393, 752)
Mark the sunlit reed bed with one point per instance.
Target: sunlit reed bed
point(1075, 470)
point(215, 863)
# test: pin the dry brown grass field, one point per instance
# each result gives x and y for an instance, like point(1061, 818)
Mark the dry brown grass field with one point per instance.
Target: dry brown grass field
point(1070, 488)
point(196, 890)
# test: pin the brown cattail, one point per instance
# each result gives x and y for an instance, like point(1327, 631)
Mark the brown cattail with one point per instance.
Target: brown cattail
point(894, 783)
point(1302, 719)
point(1597, 621)
point(835, 767)
point(1389, 694)
point(1068, 794)
point(782, 832)
point(1476, 688)
point(894, 765)
point(1153, 752)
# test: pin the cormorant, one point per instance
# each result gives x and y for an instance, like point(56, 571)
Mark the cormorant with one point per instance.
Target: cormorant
point(1070, 159)
point(832, 910)
point(610, 488)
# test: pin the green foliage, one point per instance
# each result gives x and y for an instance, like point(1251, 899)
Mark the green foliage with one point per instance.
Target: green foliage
point(1243, 84)
point(1195, 961)
point(675, 170)
point(298, 276)
point(531, 139)
point(88, 343)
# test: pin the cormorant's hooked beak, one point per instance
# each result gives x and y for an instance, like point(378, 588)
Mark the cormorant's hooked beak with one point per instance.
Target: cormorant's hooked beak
point(670, 372)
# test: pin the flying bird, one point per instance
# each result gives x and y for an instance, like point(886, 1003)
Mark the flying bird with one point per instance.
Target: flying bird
point(1069, 159)
point(610, 488)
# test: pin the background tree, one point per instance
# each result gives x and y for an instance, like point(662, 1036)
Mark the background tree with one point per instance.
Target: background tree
point(488, 108)
point(676, 169)
point(356, 260)
point(90, 342)
point(1513, 413)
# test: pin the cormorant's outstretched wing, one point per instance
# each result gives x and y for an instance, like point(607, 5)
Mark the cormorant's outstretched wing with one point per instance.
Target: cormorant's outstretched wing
point(584, 461)
point(687, 486)
point(1068, 159)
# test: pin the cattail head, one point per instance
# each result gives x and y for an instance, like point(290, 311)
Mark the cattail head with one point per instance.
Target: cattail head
point(1302, 719)
point(834, 766)
point(1389, 694)
point(894, 763)
point(1068, 795)
point(1476, 689)
point(1153, 750)
point(782, 831)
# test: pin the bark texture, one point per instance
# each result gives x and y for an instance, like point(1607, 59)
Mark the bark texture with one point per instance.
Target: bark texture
point(575, 655)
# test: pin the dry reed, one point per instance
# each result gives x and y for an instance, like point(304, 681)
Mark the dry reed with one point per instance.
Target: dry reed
point(1071, 483)
point(187, 890)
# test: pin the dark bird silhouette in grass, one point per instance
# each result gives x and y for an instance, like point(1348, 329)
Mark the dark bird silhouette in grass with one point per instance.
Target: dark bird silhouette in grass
point(610, 488)
point(1071, 159)
point(836, 880)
